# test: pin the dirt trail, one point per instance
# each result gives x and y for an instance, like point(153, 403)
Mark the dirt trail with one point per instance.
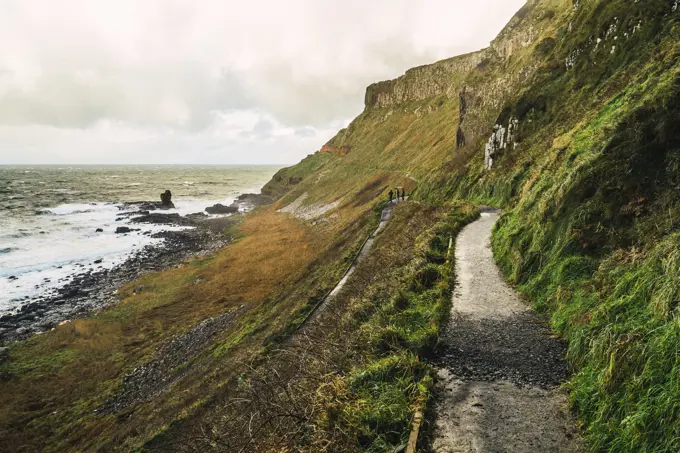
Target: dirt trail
point(500, 368)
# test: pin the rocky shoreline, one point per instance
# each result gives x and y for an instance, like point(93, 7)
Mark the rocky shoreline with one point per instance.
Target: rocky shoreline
point(95, 288)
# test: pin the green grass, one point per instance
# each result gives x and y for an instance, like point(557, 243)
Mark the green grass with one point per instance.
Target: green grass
point(590, 232)
point(394, 334)
point(287, 178)
point(52, 383)
point(592, 239)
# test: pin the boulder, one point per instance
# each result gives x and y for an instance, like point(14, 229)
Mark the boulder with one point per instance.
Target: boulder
point(158, 218)
point(221, 209)
point(121, 230)
point(166, 200)
point(99, 230)
point(254, 199)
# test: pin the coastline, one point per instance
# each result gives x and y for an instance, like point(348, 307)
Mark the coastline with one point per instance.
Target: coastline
point(96, 288)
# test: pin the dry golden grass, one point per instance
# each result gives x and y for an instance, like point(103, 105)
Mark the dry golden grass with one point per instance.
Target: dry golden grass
point(275, 247)
point(59, 378)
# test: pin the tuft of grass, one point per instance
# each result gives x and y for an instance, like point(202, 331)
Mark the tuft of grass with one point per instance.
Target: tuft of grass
point(380, 395)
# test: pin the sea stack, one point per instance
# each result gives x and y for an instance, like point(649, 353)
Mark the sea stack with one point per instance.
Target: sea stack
point(166, 200)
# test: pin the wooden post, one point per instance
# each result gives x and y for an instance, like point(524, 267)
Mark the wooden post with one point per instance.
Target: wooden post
point(415, 429)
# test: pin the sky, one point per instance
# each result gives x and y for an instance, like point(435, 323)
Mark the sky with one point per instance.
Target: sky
point(210, 81)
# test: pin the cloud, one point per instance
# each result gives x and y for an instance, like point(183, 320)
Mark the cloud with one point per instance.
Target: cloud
point(186, 70)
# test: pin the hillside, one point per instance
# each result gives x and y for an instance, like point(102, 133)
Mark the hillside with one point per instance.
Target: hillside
point(569, 121)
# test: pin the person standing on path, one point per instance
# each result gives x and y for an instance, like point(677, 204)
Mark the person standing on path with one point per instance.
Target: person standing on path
point(403, 194)
point(391, 194)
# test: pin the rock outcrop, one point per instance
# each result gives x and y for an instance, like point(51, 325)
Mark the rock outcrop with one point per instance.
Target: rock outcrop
point(423, 82)
point(335, 150)
point(221, 209)
point(158, 218)
point(166, 200)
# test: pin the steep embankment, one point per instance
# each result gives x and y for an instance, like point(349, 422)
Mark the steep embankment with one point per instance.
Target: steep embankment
point(570, 121)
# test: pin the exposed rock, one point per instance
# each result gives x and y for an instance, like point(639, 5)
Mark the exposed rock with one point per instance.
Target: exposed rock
point(140, 206)
point(308, 212)
point(254, 199)
point(221, 209)
point(123, 229)
point(501, 138)
point(336, 150)
point(166, 200)
point(99, 230)
point(421, 83)
point(164, 219)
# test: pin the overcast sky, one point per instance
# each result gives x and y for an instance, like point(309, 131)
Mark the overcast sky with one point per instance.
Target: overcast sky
point(210, 81)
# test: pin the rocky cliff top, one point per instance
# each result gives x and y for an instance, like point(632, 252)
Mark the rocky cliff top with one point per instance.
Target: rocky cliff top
point(422, 82)
point(534, 20)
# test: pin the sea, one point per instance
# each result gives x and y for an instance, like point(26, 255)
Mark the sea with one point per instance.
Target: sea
point(49, 216)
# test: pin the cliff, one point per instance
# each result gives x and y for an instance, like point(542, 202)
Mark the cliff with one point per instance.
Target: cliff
point(423, 82)
point(568, 120)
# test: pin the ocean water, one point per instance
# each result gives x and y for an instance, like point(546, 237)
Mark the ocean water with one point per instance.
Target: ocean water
point(49, 216)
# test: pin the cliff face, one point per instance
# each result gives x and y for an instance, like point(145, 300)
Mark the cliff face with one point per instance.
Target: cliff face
point(423, 82)
point(569, 120)
point(441, 78)
point(480, 81)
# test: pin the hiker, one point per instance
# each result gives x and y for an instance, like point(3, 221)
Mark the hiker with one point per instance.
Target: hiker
point(403, 194)
point(391, 195)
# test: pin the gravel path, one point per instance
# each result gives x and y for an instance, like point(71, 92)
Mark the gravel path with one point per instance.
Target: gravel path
point(499, 369)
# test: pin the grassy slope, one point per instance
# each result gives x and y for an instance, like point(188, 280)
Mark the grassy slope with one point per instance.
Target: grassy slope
point(352, 380)
point(593, 238)
point(590, 232)
point(53, 382)
point(287, 178)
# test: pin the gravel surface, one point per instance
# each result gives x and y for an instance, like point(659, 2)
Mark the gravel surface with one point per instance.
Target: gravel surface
point(519, 349)
point(499, 367)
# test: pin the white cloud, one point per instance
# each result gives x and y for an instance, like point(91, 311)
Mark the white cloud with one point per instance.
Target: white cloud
point(88, 81)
